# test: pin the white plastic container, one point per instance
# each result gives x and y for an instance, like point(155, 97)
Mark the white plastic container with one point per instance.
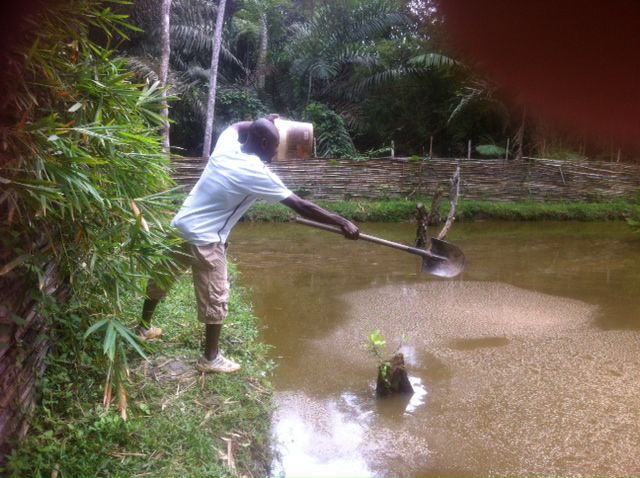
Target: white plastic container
point(296, 139)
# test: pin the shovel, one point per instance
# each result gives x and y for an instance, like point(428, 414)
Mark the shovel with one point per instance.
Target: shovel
point(442, 259)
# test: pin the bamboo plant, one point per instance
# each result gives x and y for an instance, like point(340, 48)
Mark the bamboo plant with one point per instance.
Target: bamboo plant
point(82, 173)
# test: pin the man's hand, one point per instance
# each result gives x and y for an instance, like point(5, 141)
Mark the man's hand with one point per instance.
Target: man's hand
point(272, 117)
point(350, 230)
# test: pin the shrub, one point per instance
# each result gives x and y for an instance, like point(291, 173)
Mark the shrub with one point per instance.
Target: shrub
point(332, 136)
point(82, 169)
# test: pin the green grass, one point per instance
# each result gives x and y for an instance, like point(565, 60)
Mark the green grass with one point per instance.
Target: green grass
point(402, 210)
point(175, 427)
point(533, 211)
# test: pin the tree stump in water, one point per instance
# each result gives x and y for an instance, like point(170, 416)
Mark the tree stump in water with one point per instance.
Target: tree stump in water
point(393, 378)
point(421, 233)
point(426, 218)
point(433, 219)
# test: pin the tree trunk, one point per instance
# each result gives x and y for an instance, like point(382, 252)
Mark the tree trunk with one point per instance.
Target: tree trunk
point(519, 138)
point(454, 195)
point(213, 79)
point(421, 231)
point(164, 70)
point(393, 377)
point(262, 55)
point(433, 218)
point(309, 88)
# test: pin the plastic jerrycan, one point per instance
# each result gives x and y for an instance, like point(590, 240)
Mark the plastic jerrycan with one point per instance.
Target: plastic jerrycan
point(296, 139)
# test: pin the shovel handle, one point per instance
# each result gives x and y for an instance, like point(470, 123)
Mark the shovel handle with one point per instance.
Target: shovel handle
point(367, 237)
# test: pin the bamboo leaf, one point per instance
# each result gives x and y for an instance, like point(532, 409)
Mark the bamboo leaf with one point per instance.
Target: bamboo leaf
point(8, 267)
point(67, 175)
point(109, 342)
point(95, 327)
point(129, 337)
point(75, 108)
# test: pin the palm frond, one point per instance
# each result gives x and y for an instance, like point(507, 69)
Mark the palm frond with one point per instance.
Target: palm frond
point(428, 60)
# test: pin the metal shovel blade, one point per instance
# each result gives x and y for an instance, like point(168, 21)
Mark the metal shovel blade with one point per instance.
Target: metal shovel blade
point(444, 260)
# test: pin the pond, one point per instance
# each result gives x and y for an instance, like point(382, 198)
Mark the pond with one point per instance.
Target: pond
point(526, 364)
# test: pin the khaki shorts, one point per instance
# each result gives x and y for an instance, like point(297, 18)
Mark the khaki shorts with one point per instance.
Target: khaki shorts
point(209, 266)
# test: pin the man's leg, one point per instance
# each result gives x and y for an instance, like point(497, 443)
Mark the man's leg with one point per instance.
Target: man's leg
point(146, 331)
point(212, 338)
point(148, 308)
point(212, 292)
point(155, 293)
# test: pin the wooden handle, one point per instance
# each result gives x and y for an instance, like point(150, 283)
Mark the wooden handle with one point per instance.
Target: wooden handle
point(366, 237)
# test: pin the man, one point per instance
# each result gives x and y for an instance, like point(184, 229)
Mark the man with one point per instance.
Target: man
point(234, 178)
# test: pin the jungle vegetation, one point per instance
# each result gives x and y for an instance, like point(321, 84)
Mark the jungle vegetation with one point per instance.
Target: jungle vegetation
point(369, 74)
point(85, 183)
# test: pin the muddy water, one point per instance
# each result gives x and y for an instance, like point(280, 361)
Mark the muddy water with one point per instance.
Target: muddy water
point(527, 364)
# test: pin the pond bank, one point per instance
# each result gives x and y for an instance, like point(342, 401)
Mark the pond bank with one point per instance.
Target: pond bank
point(179, 423)
point(403, 210)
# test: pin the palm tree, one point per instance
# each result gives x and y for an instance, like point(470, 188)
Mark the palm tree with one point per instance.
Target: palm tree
point(192, 37)
point(253, 23)
point(164, 69)
point(213, 81)
point(349, 55)
point(337, 39)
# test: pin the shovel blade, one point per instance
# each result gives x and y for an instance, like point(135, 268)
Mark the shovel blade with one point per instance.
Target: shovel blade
point(446, 260)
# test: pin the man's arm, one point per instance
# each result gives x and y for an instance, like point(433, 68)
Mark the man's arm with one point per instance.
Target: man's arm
point(316, 213)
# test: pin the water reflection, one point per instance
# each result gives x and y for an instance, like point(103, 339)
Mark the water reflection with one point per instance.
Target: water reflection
point(419, 396)
point(321, 438)
point(332, 436)
point(402, 405)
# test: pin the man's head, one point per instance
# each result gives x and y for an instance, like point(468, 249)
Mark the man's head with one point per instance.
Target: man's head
point(262, 140)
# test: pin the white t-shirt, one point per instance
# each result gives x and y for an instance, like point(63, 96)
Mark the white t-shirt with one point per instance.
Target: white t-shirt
point(231, 182)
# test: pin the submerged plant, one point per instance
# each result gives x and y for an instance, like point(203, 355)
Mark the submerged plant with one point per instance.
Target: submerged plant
point(376, 345)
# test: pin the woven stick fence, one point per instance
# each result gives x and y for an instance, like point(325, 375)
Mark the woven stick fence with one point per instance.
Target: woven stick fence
point(482, 179)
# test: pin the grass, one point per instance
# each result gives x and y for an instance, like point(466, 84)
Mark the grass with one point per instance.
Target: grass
point(402, 210)
point(180, 423)
point(533, 211)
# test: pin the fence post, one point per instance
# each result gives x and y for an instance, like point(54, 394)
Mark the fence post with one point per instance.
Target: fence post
point(393, 149)
point(469, 150)
point(506, 154)
point(431, 147)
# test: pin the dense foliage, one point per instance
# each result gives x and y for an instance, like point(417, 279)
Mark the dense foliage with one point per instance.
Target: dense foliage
point(384, 67)
point(82, 174)
point(375, 66)
point(330, 132)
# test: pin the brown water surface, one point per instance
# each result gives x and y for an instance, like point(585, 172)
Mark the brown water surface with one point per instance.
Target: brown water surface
point(527, 364)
